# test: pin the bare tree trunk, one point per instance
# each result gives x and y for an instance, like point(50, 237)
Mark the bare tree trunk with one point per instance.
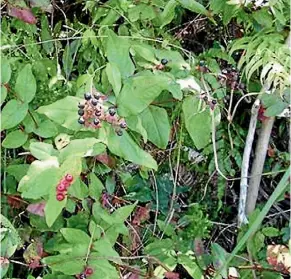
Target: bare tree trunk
point(258, 164)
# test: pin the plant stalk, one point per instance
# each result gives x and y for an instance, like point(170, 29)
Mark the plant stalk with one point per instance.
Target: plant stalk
point(258, 164)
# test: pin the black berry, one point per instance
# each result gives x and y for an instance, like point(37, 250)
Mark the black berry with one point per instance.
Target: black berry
point(96, 96)
point(81, 120)
point(112, 111)
point(98, 113)
point(164, 61)
point(94, 102)
point(224, 71)
point(123, 125)
point(214, 102)
point(87, 96)
point(96, 121)
point(81, 112)
point(82, 276)
point(119, 133)
point(81, 106)
point(202, 63)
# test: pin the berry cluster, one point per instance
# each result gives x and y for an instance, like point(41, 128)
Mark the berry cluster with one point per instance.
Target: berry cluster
point(230, 77)
point(63, 186)
point(93, 111)
point(85, 274)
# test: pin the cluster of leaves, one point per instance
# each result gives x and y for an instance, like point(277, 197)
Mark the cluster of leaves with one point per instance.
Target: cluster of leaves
point(125, 51)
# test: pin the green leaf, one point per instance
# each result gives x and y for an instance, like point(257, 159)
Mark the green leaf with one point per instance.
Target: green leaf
point(42, 150)
point(25, 85)
point(219, 256)
point(156, 123)
point(122, 213)
point(3, 93)
point(134, 123)
point(53, 207)
point(41, 177)
point(5, 70)
point(271, 232)
point(193, 6)
point(75, 236)
point(46, 35)
point(63, 112)
point(117, 50)
point(126, 148)
point(104, 247)
point(189, 263)
point(67, 264)
point(168, 13)
point(95, 187)
point(139, 91)
point(15, 139)
point(18, 171)
point(200, 134)
point(78, 190)
point(46, 129)
point(12, 114)
point(81, 148)
point(145, 51)
point(275, 109)
point(114, 77)
point(102, 268)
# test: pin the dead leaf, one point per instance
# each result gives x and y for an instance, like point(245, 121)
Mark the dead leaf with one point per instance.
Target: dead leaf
point(15, 201)
point(279, 257)
point(172, 275)
point(141, 214)
point(105, 159)
point(23, 14)
point(37, 208)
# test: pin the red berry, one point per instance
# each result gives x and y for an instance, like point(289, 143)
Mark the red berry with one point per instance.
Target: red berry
point(65, 183)
point(60, 196)
point(89, 271)
point(61, 187)
point(69, 177)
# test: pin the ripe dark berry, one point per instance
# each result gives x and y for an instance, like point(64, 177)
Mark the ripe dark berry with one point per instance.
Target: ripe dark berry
point(96, 96)
point(98, 113)
point(69, 177)
point(96, 121)
point(119, 133)
point(123, 125)
point(89, 271)
point(164, 61)
point(214, 102)
point(224, 71)
point(82, 276)
point(81, 106)
point(81, 112)
point(201, 63)
point(87, 96)
point(112, 111)
point(60, 196)
point(81, 120)
point(61, 187)
point(94, 102)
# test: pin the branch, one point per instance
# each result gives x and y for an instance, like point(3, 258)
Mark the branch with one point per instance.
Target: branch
point(242, 219)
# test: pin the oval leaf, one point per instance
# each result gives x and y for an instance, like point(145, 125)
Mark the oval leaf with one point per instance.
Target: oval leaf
point(15, 139)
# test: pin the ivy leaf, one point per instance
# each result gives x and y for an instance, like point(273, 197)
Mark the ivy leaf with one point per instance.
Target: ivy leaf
point(156, 123)
point(126, 148)
point(199, 133)
point(12, 114)
point(139, 91)
point(193, 6)
point(114, 77)
point(25, 85)
point(15, 139)
point(117, 50)
point(63, 112)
